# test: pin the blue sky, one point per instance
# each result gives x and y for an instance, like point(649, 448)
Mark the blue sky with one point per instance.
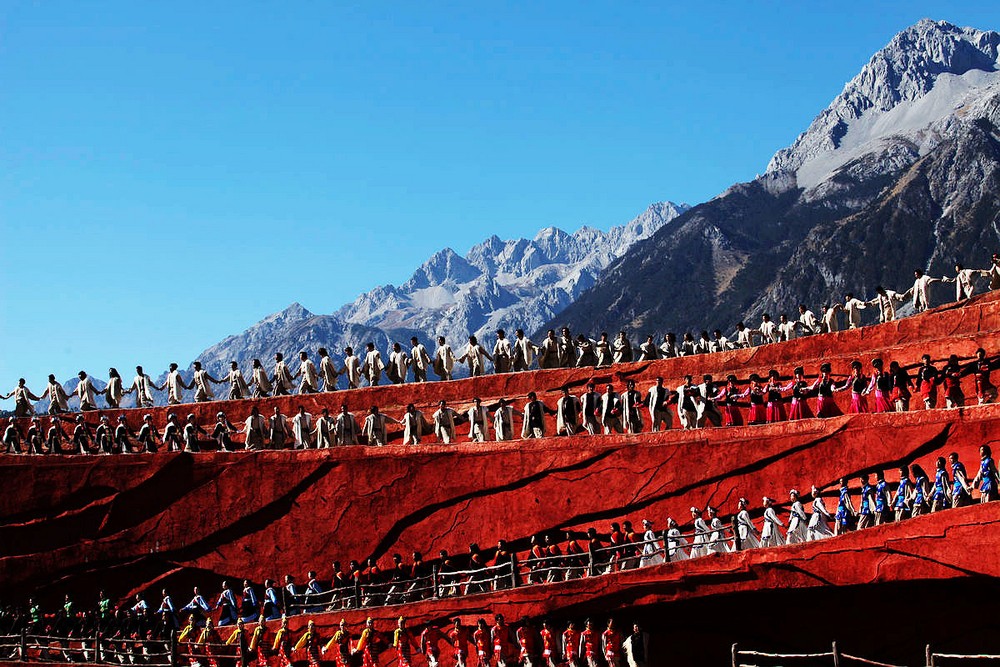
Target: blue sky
point(171, 172)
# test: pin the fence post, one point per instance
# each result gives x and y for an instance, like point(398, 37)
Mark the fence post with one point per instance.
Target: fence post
point(590, 562)
point(836, 656)
point(929, 656)
point(97, 647)
point(434, 581)
point(357, 594)
point(173, 648)
point(24, 644)
point(737, 541)
point(513, 570)
point(734, 655)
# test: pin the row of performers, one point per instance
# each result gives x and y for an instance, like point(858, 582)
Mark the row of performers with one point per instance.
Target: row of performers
point(695, 405)
point(498, 645)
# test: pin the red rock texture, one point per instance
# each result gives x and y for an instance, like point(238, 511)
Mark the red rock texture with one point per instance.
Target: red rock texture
point(136, 522)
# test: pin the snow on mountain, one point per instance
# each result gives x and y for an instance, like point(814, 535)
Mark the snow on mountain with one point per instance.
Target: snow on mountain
point(925, 75)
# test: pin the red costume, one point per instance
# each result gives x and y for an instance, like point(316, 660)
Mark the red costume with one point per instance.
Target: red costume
point(484, 649)
point(571, 646)
point(459, 639)
point(612, 647)
point(548, 645)
point(501, 642)
point(528, 641)
point(429, 639)
point(401, 640)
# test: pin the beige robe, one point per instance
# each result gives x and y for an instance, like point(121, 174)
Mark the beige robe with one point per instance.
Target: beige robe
point(302, 425)
point(57, 396)
point(283, 376)
point(565, 404)
point(328, 372)
point(444, 425)
point(346, 429)
point(86, 393)
point(324, 432)
point(352, 369)
point(400, 362)
point(525, 350)
point(503, 423)
point(238, 383)
point(203, 386)
point(175, 388)
point(310, 380)
point(445, 359)
point(479, 431)
point(373, 366)
point(143, 390)
point(413, 427)
point(475, 356)
point(375, 429)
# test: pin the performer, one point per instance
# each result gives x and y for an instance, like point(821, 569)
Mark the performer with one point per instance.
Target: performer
point(744, 336)
point(941, 495)
point(203, 384)
point(114, 390)
point(571, 645)
point(222, 433)
point(12, 439)
point(527, 641)
point(987, 478)
point(636, 647)
point(621, 349)
point(282, 648)
point(55, 437)
point(206, 640)
point(533, 425)
point(484, 644)
point(22, 400)
point(282, 379)
point(800, 390)
point(503, 648)
point(652, 550)
point(327, 370)
point(775, 411)
point(58, 398)
point(399, 364)
point(550, 644)
point(444, 359)
point(961, 490)
point(143, 386)
point(807, 321)
point(401, 642)
point(824, 386)
point(123, 436)
point(798, 522)
point(853, 307)
point(886, 300)
point(611, 642)
point(479, 421)
point(819, 526)
point(587, 357)
point(307, 371)
point(567, 349)
point(375, 427)
point(866, 518)
point(340, 645)
point(590, 408)
point(921, 491)
point(351, 368)
point(548, 353)
point(302, 427)
point(716, 540)
point(901, 386)
point(829, 318)
point(770, 535)
point(372, 367)
point(786, 329)
point(631, 403)
point(419, 359)
point(589, 650)
point(648, 351)
point(768, 330)
point(568, 409)
point(524, 352)
point(240, 638)
point(444, 423)
point(699, 544)
point(881, 385)
point(311, 642)
point(686, 408)
point(259, 643)
point(323, 433)
point(346, 428)
point(726, 397)
point(928, 378)
point(845, 509)
point(278, 430)
point(254, 428)
point(965, 281)
point(260, 381)
point(954, 397)
point(883, 502)
point(503, 421)
point(603, 350)
point(86, 392)
point(175, 386)
point(238, 387)
point(921, 301)
point(502, 353)
point(103, 436)
point(719, 342)
point(657, 401)
point(745, 530)
point(757, 394)
point(172, 439)
point(901, 500)
point(981, 368)
point(610, 411)
point(458, 637)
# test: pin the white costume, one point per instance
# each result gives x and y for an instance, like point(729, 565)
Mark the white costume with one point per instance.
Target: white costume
point(590, 407)
point(202, 386)
point(830, 323)
point(399, 364)
point(479, 423)
point(921, 300)
point(262, 382)
point(475, 356)
point(372, 368)
point(786, 330)
point(808, 322)
point(374, 429)
point(238, 385)
point(421, 362)
point(769, 331)
point(651, 550)
point(282, 377)
point(141, 385)
point(502, 351)
point(346, 429)
point(254, 428)
point(610, 413)
point(352, 369)
point(747, 531)
point(965, 284)
point(413, 427)
point(524, 354)
point(310, 379)
point(717, 542)
point(699, 546)
point(87, 394)
point(328, 371)
point(444, 425)
point(324, 432)
point(676, 545)
point(853, 308)
point(797, 524)
point(770, 535)
point(533, 425)
point(503, 423)
point(302, 426)
point(444, 361)
point(818, 526)
point(175, 387)
point(887, 305)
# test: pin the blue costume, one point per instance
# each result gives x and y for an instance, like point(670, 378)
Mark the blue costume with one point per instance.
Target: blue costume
point(199, 608)
point(227, 602)
point(918, 488)
point(988, 473)
point(940, 484)
point(843, 515)
point(881, 496)
point(250, 607)
point(957, 488)
point(272, 606)
point(901, 493)
point(866, 494)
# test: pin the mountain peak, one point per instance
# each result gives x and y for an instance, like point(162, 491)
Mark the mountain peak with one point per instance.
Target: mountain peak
point(901, 73)
point(443, 265)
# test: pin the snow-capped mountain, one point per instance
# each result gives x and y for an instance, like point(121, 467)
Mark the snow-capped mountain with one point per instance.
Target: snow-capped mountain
point(900, 171)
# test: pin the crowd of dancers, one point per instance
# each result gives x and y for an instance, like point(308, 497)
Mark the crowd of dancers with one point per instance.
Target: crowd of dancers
point(236, 618)
point(414, 363)
point(695, 405)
